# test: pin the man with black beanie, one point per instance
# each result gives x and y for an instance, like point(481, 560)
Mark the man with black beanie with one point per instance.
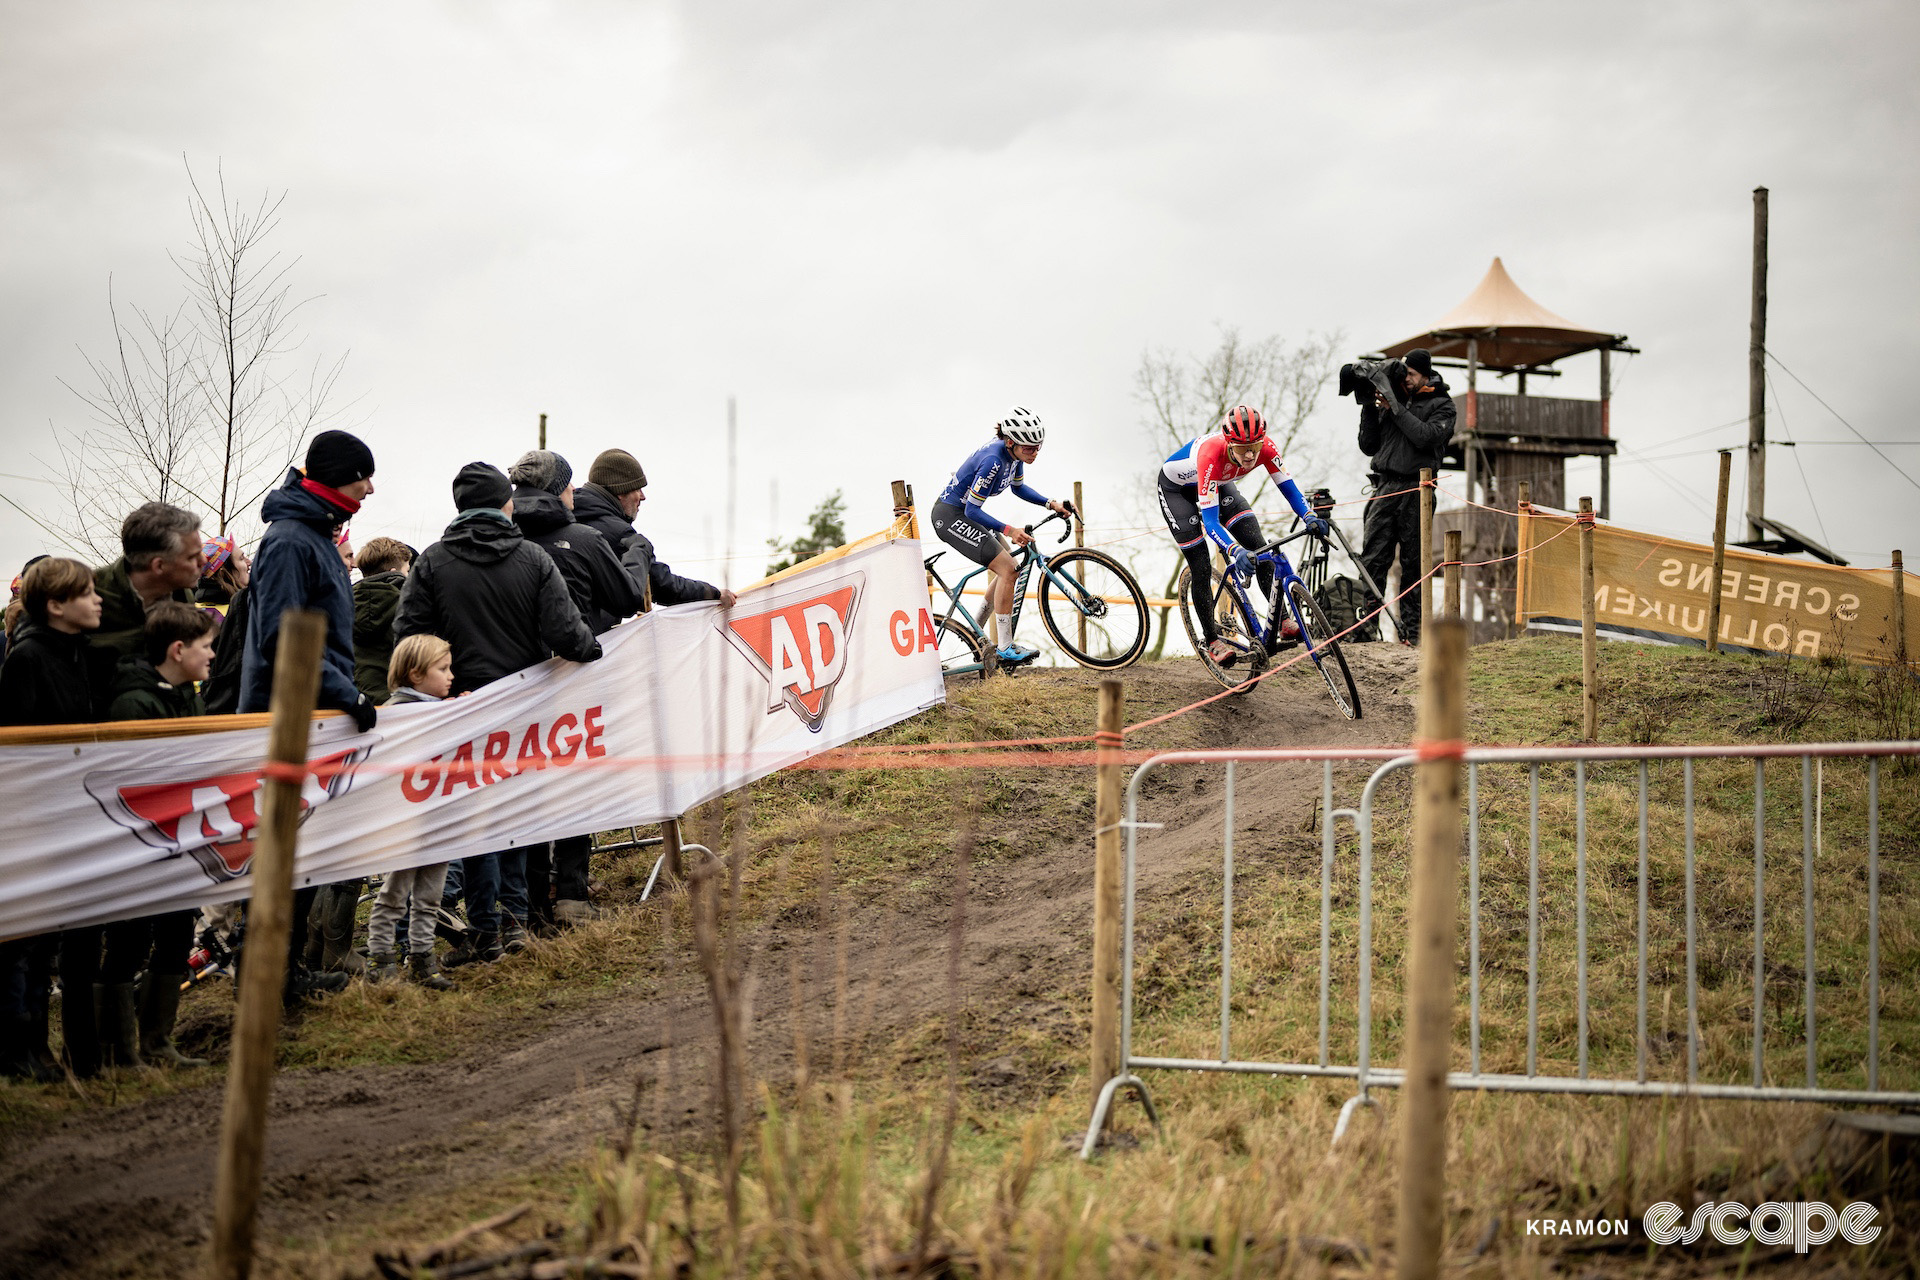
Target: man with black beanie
point(502, 605)
point(1404, 429)
point(299, 567)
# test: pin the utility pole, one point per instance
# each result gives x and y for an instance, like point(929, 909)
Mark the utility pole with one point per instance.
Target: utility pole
point(1757, 376)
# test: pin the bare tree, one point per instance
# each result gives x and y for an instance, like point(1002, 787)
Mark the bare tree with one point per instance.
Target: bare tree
point(203, 406)
point(1186, 395)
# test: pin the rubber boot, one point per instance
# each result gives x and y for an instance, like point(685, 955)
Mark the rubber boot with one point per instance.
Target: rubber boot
point(79, 1031)
point(303, 983)
point(18, 1060)
point(424, 970)
point(480, 948)
point(159, 1007)
point(116, 1012)
point(382, 966)
point(336, 908)
point(316, 932)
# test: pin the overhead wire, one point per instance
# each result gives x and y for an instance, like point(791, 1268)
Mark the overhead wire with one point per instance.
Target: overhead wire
point(1843, 422)
point(1801, 466)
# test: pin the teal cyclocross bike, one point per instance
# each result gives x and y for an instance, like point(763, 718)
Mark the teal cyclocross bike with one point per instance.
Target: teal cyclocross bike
point(1091, 605)
point(1255, 639)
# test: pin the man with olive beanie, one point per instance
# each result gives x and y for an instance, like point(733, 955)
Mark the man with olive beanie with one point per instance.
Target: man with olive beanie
point(607, 503)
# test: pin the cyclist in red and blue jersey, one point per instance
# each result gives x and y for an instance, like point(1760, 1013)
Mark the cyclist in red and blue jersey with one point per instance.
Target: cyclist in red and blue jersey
point(1200, 502)
point(963, 523)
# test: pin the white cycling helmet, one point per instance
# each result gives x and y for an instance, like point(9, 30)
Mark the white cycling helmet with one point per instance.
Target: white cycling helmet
point(1021, 426)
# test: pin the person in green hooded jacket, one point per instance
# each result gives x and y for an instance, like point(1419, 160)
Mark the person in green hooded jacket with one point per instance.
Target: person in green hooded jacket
point(383, 565)
point(136, 1018)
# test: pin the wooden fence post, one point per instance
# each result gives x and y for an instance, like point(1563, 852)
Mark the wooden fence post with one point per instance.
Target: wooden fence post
point(1079, 571)
point(256, 1022)
point(903, 505)
point(1719, 553)
point(1899, 611)
point(1523, 492)
point(675, 870)
point(1455, 595)
point(1108, 886)
point(543, 431)
point(1440, 730)
point(1426, 550)
point(1589, 641)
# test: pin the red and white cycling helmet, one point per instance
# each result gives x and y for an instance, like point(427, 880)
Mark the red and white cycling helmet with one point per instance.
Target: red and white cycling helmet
point(1244, 425)
point(1021, 426)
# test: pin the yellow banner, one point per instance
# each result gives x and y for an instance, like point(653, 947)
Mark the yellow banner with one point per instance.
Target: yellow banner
point(1653, 589)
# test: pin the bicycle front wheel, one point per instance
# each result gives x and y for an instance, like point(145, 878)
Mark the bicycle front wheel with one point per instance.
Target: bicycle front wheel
point(1248, 660)
point(1100, 616)
point(961, 654)
point(1324, 649)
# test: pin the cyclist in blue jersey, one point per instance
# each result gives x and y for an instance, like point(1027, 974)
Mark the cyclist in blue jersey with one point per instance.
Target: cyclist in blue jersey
point(1199, 501)
point(963, 524)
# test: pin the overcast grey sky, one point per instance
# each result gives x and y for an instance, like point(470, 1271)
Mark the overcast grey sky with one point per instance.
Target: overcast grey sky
point(879, 224)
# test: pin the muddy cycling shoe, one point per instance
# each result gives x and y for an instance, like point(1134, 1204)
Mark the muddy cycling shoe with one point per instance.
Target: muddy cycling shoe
point(1223, 652)
point(1289, 634)
point(1017, 653)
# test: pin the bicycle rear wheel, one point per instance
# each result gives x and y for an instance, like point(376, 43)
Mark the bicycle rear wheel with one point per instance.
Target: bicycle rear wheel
point(1250, 659)
point(1113, 610)
point(1319, 635)
point(961, 654)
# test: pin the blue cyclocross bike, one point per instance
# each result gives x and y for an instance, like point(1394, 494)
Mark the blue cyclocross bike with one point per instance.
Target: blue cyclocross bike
point(1256, 640)
point(1090, 604)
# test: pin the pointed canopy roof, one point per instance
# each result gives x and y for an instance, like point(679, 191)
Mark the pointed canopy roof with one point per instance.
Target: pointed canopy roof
point(1512, 330)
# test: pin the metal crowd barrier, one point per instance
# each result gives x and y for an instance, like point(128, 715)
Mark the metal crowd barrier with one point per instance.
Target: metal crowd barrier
point(1362, 1070)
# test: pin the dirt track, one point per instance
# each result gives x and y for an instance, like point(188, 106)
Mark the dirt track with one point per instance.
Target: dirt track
point(127, 1190)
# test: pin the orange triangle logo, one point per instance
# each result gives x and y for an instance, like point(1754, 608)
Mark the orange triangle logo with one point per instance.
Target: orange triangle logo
point(800, 644)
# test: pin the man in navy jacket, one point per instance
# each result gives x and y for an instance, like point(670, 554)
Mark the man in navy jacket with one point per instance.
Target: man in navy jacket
point(298, 566)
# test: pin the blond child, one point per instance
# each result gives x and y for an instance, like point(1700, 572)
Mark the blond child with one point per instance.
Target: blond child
point(421, 671)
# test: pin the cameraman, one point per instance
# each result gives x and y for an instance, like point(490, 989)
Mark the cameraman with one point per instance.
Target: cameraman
point(1405, 428)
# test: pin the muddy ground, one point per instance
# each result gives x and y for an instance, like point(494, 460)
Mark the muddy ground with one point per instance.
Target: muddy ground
point(127, 1190)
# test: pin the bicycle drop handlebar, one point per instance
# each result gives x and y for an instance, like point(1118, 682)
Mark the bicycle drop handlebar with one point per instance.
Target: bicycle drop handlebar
point(1064, 533)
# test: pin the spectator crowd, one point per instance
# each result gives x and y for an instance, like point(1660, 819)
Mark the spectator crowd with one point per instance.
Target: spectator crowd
point(186, 624)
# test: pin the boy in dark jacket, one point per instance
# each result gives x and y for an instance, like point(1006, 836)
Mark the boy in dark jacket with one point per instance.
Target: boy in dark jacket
point(383, 565)
point(48, 678)
point(136, 1020)
point(502, 606)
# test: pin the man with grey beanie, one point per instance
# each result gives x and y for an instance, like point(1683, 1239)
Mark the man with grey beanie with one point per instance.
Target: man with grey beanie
point(543, 498)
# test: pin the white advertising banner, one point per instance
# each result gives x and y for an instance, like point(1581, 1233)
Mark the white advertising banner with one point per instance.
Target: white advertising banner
point(686, 704)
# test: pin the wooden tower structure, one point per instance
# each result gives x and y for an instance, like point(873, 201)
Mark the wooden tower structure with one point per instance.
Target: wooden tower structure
point(1504, 439)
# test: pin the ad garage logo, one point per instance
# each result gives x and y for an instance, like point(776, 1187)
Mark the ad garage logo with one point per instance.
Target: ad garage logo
point(799, 643)
point(211, 817)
